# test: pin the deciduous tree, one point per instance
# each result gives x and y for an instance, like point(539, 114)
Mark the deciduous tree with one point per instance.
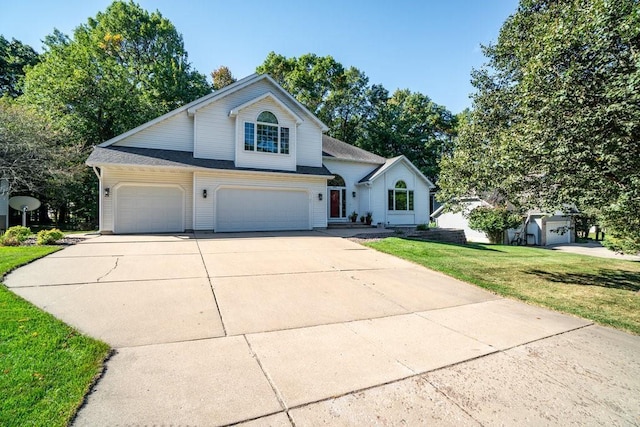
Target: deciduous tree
point(14, 58)
point(122, 68)
point(222, 77)
point(556, 114)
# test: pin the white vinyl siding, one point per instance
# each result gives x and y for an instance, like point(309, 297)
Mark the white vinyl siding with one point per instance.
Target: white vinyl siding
point(113, 177)
point(174, 133)
point(309, 144)
point(459, 220)
point(149, 208)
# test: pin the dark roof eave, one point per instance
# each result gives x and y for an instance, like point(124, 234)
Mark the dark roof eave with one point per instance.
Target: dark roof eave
point(148, 157)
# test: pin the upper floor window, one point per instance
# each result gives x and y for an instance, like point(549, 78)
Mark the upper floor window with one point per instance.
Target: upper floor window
point(265, 135)
point(400, 199)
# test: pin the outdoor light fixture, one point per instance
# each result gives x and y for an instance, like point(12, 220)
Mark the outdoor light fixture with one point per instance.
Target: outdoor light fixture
point(353, 193)
point(204, 193)
point(107, 191)
point(319, 196)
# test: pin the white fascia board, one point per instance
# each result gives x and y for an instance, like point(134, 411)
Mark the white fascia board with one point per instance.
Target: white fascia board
point(338, 159)
point(234, 111)
point(324, 127)
point(393, 161)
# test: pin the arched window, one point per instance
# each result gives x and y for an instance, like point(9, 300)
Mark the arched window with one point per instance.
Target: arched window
point(265, 135)
point(400, 198)
point(337, 181)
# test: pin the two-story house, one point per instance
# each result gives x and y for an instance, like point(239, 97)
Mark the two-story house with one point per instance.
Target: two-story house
point(248, 157)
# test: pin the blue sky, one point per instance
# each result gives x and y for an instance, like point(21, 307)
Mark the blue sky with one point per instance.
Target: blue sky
point(427, 46)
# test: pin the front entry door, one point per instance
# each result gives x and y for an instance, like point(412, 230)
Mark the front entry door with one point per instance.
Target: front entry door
point(337, 203)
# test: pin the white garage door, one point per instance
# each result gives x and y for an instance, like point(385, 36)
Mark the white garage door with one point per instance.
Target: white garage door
point(262, 210)
point(149, 209)
point(557, 238)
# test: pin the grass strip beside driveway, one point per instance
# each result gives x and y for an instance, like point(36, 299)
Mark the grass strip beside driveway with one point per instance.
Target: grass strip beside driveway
point(46, 367)
point(604, 290)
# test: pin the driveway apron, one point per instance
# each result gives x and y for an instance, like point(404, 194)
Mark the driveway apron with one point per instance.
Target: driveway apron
point(309, 329)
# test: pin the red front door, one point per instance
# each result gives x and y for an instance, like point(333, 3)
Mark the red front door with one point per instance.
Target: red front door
point(334, 207)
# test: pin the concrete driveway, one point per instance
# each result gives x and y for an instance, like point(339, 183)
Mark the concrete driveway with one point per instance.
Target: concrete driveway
point(312, 329)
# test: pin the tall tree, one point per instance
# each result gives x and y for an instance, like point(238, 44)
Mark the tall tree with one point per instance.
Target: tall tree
point(32, 155)
point(335, 94)
point(122, 68)
point(556, 114)
point(14, 58)
point(222, 77)
point(408, 123)
point(405, 123)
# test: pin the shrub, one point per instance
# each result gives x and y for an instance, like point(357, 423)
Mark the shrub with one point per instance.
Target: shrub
point(49, 237)
point(493, 221)
point(14, 236)
point(422, 227)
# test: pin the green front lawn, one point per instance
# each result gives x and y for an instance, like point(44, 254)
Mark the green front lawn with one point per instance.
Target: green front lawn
point(46, 367)
point(606, 291)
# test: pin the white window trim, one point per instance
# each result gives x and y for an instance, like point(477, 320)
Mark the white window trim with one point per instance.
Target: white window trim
point(279, 127)
point(405, 190)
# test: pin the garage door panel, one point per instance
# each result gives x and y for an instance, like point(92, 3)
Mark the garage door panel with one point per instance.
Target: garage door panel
point(557, 238)
point(149, 209)
point(262, 210)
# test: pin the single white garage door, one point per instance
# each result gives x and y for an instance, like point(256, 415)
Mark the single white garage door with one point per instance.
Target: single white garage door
point(149, 209)
point(554, 238)
point(262, 210)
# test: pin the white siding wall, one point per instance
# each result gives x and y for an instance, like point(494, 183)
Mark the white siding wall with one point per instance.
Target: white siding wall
point(382, 185)
point(352, 172)
point(309, 144)
point(459, 221)
point(112, 177)
point(215, 130)
point(255, 159)
point(174, 133)
point(205, 212)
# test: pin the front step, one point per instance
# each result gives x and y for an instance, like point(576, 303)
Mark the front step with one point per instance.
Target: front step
point(341, 225)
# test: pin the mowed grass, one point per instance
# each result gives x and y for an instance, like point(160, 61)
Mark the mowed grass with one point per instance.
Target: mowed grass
point(606, 291)
point(46, 367)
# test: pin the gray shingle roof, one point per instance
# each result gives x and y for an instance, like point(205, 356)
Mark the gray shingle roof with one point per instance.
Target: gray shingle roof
point(129, 156)
point(332, 147)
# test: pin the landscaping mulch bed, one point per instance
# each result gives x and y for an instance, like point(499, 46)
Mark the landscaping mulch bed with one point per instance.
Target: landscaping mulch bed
point(67, 241)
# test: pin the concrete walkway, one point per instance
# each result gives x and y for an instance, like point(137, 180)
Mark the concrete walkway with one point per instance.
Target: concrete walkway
point(592, 249)
point(309, 329)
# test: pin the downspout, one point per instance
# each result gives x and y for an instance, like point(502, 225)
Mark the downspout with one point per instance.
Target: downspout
point(100, 190)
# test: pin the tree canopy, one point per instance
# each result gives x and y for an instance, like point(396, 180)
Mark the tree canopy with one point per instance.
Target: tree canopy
point(14, 58)
point(222, 77)
point(556, 114)
point(32, 156)
point(122, 68)
point(408, 123)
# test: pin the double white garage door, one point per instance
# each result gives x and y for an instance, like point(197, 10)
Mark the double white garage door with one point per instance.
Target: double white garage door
point(161, 209)
point(252, 209)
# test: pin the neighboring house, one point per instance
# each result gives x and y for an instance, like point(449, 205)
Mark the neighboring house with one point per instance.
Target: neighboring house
point(247, 157)
point(543, 228)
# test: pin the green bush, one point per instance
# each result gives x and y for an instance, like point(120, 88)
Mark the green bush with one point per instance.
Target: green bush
point(493, 221)
point(49, 237)
point(14, 236)
point(422, 227)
